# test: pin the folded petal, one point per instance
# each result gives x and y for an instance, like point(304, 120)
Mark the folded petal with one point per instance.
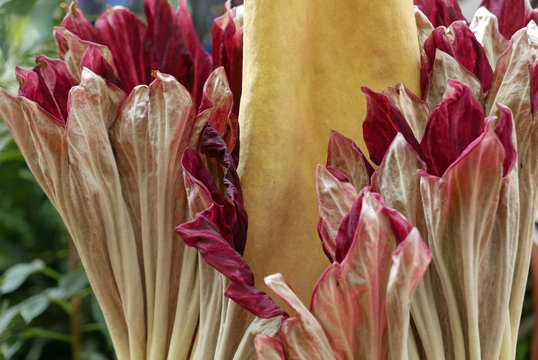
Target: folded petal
point(452, 126)
point(440, 12)
point(122, 32)
point(513, 86)
point(211, 232)
point(72, 49)
point(48, 84)
point(268, 348)
point(485, 27)
point(414, 109)
point(512, 15)
point(335, 199)
point(445, 67)
point(459, 210)
point(75, 21)
point(216, 110)
point(345, 156)
point(302, 335)
point(174, 47)
point(227, 50)
point(372, 287)
point(459, 42)
point(383, 121)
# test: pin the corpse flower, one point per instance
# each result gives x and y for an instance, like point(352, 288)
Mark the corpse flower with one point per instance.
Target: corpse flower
point(126, 153)
point(107, 153)
point(451, 169)
point(113, 171)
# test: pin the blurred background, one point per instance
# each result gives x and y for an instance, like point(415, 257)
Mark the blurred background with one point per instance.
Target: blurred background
point(47, 309)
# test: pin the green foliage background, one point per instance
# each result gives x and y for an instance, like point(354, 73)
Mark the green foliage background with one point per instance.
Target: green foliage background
point(47, 309)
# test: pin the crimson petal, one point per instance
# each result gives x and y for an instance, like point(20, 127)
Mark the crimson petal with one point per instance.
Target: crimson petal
point(511, 14)
point(383, 121)
point(48, 84)
point(348, 227)
point(227, 50)
point(94, 60)
point(76, 22)
point(211, 234)
point(504, 130)
point(459, 42)
point(174, 47)
point(452, 126)
point(123, 33)
point(213, 146)
point(440, 12)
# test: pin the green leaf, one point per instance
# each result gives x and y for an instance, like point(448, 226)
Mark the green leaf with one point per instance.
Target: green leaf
point(73, 282)
point(9, 350)
point(16, 275)
point(6, 317)
point(33, 307)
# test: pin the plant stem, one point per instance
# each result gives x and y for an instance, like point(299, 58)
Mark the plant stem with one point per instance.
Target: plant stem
point(74, 318)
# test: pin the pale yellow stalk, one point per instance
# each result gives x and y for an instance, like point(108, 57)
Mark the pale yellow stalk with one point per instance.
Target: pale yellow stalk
point(304, 64)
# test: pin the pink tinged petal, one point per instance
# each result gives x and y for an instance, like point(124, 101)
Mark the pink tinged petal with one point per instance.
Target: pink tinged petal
point(512, 15)
point(76, 22)
point(148, 138)
point(486, 29)
point(397, 181)
point(40, 138)
point(214, 147)
point(383, 121)
point(459, 42)
point(414, 109)
point(48, 84)
point(268, 348)
point(350, 300)
point(440, 12)
point(237, 68)
point(512, 80)
point(203, 64)
point(103, 230)
point(174, 47)
point(459, 210)
point(205, 233)
point(302, 334)
point(410, 261)
point(94, 60)
point(72, 49)
point(228, 51)
point(123, 33)
point(514, 75)
point(347, 229)
point(45, 146)
point(445, 67)
point(211, 233)
point(345, 156)
point(452, 126)
point(335, 199)
point(503, 130)
point(216, 110)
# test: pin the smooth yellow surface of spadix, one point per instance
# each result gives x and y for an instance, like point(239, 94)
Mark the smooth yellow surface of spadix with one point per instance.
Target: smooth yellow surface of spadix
point(304, 63)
